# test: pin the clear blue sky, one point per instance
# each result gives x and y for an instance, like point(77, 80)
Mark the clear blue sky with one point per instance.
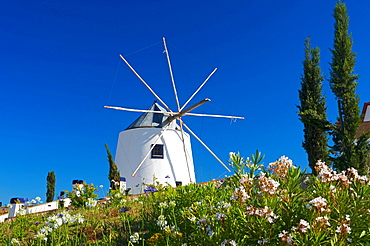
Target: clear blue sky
point(59, 66)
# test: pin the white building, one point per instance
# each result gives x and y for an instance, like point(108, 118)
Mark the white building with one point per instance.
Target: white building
point(170, 161)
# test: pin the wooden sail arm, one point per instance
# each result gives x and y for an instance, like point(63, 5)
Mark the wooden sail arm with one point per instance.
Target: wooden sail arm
point(178, 116)
point(171, 74)
point(200, 87)
point(205, 146)
point(140, 110)
point(143, 81)
point(194, 106)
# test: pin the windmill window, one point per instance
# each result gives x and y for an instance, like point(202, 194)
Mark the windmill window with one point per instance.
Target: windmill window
point(157, 152)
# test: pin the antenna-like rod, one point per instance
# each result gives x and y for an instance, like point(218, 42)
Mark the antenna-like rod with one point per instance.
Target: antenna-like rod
point(150, 150)
point(200, 87)
point(205, 146)
point(171, 74)
point(142, 80)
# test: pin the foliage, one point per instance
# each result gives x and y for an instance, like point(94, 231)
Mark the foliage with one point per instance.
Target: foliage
point(343, 84)
point(83, 195)
point(116, 198)
point(114, 176)
point(50, 186)
point(275, 205)
point(312, 111)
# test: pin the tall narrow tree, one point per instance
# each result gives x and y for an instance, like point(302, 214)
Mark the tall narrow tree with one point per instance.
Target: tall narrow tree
point(113, 176)
point(348, 152)
point(312, 111)
point(50, 186)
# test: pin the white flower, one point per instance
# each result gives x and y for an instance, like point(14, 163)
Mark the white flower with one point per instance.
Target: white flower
point(163, 204)
point(41, 236)
point(222, 205)
point(161, 222)
point(268, 184)
point(14, 241)
point(91, 203)
point(233, 243)
point(192, 218)
point(343, 228)
point(172, 203)
point(324, 220)
point(240, 193)
point(320, 203)
point(67, 218)
point(54, 221)
point(303, 226)
point(333, 189)
point(282, 233)
point(135, 238)
point(306, 180)
point(79, 218)
point(46, 230)
point(281, 166)
point(225, 242)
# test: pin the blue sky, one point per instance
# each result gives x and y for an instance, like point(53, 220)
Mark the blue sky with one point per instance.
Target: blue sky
point(59, 66)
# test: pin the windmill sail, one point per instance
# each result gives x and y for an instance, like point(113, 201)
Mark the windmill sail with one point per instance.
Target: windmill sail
point(155, 141)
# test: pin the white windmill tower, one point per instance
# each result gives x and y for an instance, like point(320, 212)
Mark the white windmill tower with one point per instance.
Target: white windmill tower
point(155, 147)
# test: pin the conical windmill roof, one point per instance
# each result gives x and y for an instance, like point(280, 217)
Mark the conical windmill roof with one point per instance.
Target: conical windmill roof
point(153, 120)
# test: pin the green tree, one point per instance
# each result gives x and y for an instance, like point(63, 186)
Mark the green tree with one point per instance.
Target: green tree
point(312, 111)
point(347, 150)
point(50, 186)
point(114, 176)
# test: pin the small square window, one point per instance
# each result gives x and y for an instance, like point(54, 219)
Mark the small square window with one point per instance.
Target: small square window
point(157, 151)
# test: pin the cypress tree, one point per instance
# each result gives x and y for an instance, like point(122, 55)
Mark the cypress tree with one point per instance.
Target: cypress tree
point(50, 186)
point(348, 152)
point(113, 176)
point(312, 111)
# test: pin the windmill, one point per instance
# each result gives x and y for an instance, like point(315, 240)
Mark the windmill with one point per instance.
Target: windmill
point(155, 147)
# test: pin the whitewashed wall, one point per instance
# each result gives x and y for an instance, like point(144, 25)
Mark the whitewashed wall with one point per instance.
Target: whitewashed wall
point(20, 208)
point(3, 217)
point(134, 144)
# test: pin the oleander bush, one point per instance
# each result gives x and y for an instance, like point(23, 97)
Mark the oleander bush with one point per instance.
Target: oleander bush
point(274, 205)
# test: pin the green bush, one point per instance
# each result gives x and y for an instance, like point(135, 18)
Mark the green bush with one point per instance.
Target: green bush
point(83, 196)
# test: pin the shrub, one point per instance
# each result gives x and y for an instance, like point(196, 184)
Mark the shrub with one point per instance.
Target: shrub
point(274, 205)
